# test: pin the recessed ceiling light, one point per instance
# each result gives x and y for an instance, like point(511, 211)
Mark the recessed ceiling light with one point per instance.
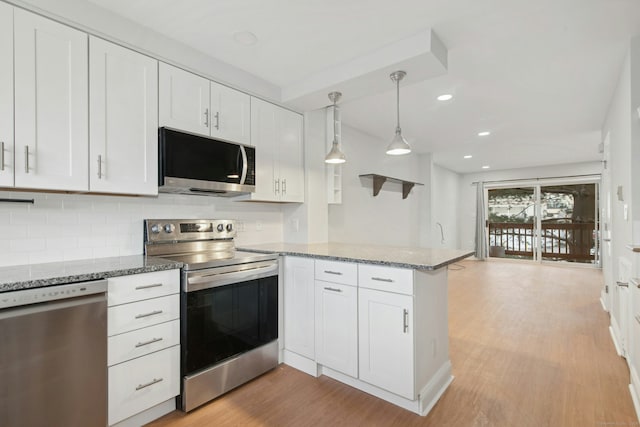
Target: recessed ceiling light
point(468, 156)
point(484, 133)
point(486, 167)
point(445, 97)
point(246, 38)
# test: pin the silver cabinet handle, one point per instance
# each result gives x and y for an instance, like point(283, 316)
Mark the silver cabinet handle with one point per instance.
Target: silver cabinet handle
point(337, 273)
point(26, 159)
point(206, 117)
point(382, 279)
point(217, 116)
point(405, 320)
point(637, 318)
point(154, 285)
point(1, 156)
point(333, 289)
point(152, 382)
point(284, 186)
point(153, 313)
point(151, 341)
point(99, 166)
point(277, 186)
point(622, 284)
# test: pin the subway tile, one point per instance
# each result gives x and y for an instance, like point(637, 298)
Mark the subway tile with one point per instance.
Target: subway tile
point(60, 243)
point(13, 231)
point(27, 245)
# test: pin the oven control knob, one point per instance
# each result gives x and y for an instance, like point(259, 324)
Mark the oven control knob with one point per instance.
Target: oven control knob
point(229, 227)
point(155, 228)
point(168, 228)
point(220, 228)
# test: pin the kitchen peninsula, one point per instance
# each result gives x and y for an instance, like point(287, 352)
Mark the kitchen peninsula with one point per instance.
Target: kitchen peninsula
point(373, 317)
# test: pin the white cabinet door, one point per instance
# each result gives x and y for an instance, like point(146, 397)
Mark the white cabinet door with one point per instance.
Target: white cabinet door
point(386, 341)
point(263, 135)
point(337, 327)
point(291, 160)
point(277, 135)
point(230, 114)
point(299, 306)
point(51, 104)
point(124, 120)
point(6, 95)
point(183, 100)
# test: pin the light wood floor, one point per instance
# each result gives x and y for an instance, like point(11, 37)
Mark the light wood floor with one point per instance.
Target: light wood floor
point(529, 346)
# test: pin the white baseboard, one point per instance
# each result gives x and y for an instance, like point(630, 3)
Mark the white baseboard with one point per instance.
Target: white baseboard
point(604, 306)
point(614, 338)
point(149, 415)
point(435, 388)
point(300, 363)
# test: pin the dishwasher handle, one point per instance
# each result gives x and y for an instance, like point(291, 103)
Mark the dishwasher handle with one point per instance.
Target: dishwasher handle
point(64, 293)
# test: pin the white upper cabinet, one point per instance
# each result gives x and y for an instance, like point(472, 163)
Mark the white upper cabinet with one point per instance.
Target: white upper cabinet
point(230, 114)
point(277, 135)
point(194, 104)
point(51, 104)
point(6, 95)
point(184, 100)
point(124, 121)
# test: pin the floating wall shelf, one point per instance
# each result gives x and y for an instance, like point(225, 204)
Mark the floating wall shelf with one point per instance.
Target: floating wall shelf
point(379, 180)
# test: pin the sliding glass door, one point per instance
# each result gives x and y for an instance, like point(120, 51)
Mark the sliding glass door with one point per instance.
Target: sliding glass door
point(555, 222)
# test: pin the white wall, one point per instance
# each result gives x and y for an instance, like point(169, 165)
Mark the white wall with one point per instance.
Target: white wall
point(386, 219)
point(467, 190)
point(445, 202)
point(61, 227)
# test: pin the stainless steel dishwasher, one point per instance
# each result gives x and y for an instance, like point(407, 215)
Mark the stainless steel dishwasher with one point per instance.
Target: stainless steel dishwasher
point(53, 356)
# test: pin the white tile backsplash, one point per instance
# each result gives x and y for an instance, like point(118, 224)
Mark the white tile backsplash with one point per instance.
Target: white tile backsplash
point(61, 227)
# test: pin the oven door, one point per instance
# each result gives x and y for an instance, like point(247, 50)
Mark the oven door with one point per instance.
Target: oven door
point(228, 311)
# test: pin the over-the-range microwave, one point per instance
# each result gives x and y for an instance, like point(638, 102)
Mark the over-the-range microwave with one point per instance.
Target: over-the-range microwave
point(196, 164)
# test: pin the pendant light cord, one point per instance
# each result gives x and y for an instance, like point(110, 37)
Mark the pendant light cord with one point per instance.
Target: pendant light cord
point(335, 127)
point(398, 104)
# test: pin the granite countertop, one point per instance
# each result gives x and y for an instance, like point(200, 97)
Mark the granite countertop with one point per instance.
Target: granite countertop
point(403, 257)
point(58, 273)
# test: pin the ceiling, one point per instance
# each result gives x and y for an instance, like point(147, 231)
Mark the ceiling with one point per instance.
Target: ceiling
point(538, 75)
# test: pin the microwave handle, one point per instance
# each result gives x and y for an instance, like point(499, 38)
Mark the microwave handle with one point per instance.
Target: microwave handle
point(243, 177)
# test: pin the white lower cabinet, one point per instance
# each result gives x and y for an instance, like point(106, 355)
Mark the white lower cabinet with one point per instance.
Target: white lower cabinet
point(386, 341)
point(299, 306)
point(336, 328)
point(143, 325)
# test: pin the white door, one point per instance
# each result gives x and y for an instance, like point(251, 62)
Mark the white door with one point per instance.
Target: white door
point(386, 341)
point(51, 104)
point(290, 156)
point(124, 123)
point(230, 114)
point(183, 100)
point(336, 322)
point(6, 95)
point(264, 138)
point(299, 306)
point(605, 229)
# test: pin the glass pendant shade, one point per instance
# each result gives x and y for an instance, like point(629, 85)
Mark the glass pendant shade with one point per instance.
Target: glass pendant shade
point(335, 155)
point(398, 145)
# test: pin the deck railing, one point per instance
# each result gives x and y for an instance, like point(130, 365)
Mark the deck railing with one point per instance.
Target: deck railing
point(570, 241)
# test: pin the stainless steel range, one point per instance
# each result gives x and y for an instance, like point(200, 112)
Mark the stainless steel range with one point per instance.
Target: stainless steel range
point(229, 305)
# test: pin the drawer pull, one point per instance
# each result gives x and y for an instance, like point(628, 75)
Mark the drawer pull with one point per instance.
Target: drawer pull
point(153, 313)
point(405, 320)
point(637, 318)
point(382, 279)
point(622, 284)
point(333, 289)
point(151, 341)
point(150, 383)
point(155, 285)
point(337, 273)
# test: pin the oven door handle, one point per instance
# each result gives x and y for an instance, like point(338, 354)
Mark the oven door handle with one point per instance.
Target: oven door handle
point(196, 282)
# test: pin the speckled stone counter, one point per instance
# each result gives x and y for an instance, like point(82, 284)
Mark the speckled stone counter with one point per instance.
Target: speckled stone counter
point(57, 273)
point(403, 257)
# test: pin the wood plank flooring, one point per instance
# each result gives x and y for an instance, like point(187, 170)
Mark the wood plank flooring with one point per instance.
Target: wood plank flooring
point(529, 346)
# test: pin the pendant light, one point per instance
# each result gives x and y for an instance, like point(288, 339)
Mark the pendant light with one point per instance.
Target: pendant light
point(335, 156)
point(398, 144)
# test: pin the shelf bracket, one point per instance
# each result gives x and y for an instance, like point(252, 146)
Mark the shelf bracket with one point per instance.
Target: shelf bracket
point(379, 180)
point(377, 184)
point(406, 189)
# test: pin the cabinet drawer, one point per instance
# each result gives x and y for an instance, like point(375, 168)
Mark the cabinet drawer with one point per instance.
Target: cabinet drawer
point(141, 383)
point(389, 279)
point(143, 341)
point(337, 272)
point(125, 289)
point(136, 315)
